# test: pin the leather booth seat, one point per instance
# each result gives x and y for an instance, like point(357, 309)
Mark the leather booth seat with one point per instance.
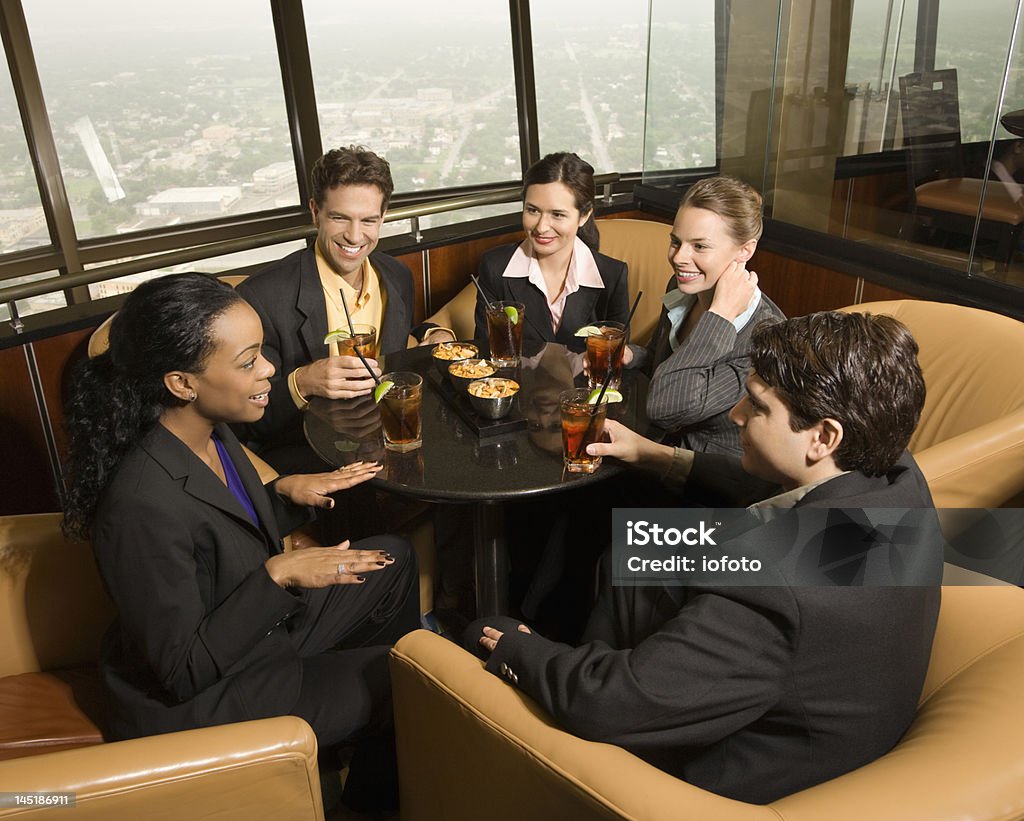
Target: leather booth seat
point(504, 758)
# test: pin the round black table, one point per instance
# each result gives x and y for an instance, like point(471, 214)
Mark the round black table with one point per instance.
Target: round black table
point(456, 464)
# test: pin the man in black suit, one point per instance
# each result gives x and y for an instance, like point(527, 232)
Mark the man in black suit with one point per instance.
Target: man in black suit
point(758, 692)
point(298, 299)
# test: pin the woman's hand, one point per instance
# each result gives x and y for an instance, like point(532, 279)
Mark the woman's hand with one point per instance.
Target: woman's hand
point(324, 566)
point(314, 489)
point(733, 292)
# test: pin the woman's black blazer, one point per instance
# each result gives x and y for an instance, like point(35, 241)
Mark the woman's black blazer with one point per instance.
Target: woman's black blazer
point(585, 307)
point(200, 636)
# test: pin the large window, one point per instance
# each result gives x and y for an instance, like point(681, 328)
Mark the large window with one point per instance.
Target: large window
point(22, 223)
point(163, 113)
point(430, 87)
point(681, 86)
point(973, 38)
point(875, 121)
point(590, 61)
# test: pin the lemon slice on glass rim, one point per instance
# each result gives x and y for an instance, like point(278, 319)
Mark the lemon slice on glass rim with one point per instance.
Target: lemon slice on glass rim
point(335, 335)
point(588, 330)
point(512, 313)
point(381, 389)
point(611, 395)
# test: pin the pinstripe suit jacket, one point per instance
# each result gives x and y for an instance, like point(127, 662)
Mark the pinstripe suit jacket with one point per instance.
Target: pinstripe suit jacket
point(695, 386)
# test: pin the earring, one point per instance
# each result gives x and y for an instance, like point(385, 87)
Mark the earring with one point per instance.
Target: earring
point(191, 396)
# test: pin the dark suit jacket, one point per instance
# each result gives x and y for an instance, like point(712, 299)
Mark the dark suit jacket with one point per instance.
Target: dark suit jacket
point(200, 636)
point(289, 298)
point(585, 307)
point(695, 386)
point(751, 692)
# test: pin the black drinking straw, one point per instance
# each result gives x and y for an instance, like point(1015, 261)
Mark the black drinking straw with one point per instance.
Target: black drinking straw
point(348, 316)
point(607, 376)
point(359, 353)
point(479, 287)
point(490, 307)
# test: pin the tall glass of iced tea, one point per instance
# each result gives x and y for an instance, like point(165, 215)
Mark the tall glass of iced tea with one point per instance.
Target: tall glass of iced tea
point(605, 351)
point(400, 411)
point(505, 332)
point(582, 424)
point(364, 338)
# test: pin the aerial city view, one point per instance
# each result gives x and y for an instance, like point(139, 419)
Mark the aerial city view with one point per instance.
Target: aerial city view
point(159, 121)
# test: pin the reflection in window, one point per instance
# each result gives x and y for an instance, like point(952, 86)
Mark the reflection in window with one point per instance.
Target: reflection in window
point(881, 50)
point(590, 63)
point(22, 222)
point(432, 91)
point(158, 120)
point(973, 38)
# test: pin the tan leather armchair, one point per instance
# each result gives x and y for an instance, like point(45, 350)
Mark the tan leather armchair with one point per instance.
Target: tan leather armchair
point(970, 440)
point(253, 770)
point(643, 246)
point(53, 612)
point(503, 758)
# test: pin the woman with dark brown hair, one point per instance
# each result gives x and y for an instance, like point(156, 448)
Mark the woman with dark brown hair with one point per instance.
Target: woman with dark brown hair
point(216, 623)
point(556, 272)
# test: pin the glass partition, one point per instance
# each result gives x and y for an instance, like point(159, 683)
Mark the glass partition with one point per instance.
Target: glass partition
point(886, 122)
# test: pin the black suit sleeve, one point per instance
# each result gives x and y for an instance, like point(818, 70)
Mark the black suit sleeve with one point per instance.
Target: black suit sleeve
point(148, 562)
point(281, 413)
point(714, 668)
point(617, 293)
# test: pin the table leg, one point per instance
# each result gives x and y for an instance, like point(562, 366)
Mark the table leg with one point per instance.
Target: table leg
point(490, 557)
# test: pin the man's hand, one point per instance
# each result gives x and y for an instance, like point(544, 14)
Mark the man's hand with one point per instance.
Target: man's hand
point(336, 377)
point(734, 291)
point(489, 640)
point(314, 489)
point(630, 447)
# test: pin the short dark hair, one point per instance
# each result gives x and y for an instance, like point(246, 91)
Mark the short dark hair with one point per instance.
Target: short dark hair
point(351, 165)
point(859, 369)
point(577, 175)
